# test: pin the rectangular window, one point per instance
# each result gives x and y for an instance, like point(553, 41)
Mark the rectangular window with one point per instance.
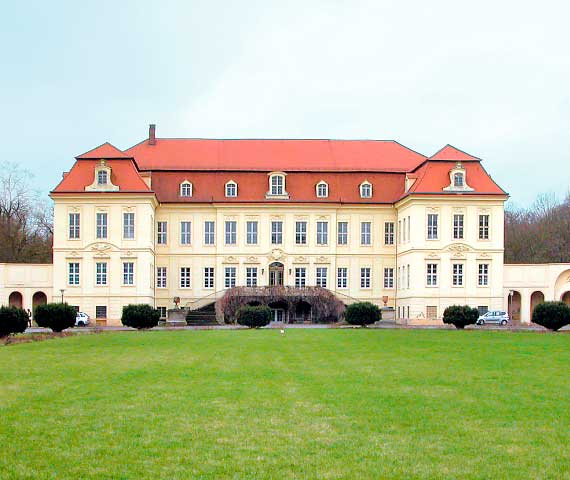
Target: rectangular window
point(161, 230)
point(322, 274)
point(251, 277)
point(483, 277)
point(389, 233)
point(161, 277)
point(365, 277)
point(301, 233)
point(128, 225)
point(128, 273)
point(366, 233)
point(276, 232)
point(300, 277)
point(162, 311)
point(277, 185)
point(230, 277)
point(209, 233)
point(408, 277)
point(404, 231)
point(231, 232)
point(101, 230)
point(458, 226)
point(431, 275)
point(432, 226)
point(73, 270)
point(251, 233)
point(185, 277)
point(483, 227)
point(74, 226)
point(388, 278)
point(482, 309)
point(342, 277)
point(431, 312)
point(342, 233)
point(409, 229)
point(399, 231)
point(185, 235)
point(457, 275)
point(208, 277)
point(101, 311)
point(101, 273)
point(322, 233)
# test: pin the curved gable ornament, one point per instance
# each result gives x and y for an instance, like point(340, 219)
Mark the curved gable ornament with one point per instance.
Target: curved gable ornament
point(458, 180)
point(102, 179)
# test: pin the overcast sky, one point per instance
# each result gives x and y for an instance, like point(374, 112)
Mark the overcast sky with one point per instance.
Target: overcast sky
point(489, 77)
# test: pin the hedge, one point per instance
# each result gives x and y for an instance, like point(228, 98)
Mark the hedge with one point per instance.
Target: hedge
point(253, 316)
point(362, 313)
point(57, 316)
point(460, 315)
point(140, 316)
point(13, 320)
point(551, 315)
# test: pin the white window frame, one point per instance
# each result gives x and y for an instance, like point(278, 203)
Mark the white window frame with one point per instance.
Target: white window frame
point(209, 232)
point(128, 225)
point(101, 276)
point(101, 225)
point(276, 232)
point(277, 185)
point(322, 189)
point(230, 232)
point(128, 274)
point(251, 276)
point(458, 226)
point(231, 189)
point(186, 189)
point(186, 232)
point(74, 231)
point(365, 278)
point(251, 232)
point(432, 274)
point(102, 177)
point(230, 277)
point(161, 232)
point(483, 274)
point(484, 226)
point(209, 277)
point(300, 277)
point(322, 232)
point(389, 277)
point(432, 226)
point(185, 277)
point(342, 233)
point(366, 190)
point(342, 277)
point(321, 277)
point(456, 183)
point(388, 233)
point(301, 232)
point(161, 277)
point(457, 274)
point(73, 277)
point(366, 233)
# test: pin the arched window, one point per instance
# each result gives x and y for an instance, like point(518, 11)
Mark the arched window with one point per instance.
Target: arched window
point(185, 189)
point(231, 189)
point(322, 189)
point(277, 184)
point(102, 177)
point(366, 190)
point(458, 180)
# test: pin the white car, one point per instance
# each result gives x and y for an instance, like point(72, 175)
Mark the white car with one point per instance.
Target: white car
point(495, 316)
point(81, 319)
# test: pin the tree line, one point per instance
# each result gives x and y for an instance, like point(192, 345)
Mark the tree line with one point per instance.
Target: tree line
point(536, 234)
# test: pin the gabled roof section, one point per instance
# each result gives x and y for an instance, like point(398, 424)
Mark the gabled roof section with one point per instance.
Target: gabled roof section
point(105, 150)
point(451, 153)
point(195, 154)
point(124, 174)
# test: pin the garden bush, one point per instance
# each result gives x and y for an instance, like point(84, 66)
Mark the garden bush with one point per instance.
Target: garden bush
point(13, 320)
point(57, 316)
point(140, 316)
point(362, 313)
point(460, 315)
point(253, 316)
point(551, 315)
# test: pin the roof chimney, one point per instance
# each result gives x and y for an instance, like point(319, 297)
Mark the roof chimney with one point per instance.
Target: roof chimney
point(152, 134)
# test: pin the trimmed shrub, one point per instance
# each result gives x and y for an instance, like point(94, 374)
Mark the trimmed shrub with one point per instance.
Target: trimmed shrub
point(13, 320)
point(140, 316)
point(362, 313)
point(253, 317)
point(460, 315)
point(551, 315)
point(57, 316)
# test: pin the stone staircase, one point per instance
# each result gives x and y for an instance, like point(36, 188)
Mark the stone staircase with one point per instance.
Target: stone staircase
point(202, 317)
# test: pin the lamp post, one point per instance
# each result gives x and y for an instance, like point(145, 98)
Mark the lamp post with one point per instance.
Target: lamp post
point(62, 290)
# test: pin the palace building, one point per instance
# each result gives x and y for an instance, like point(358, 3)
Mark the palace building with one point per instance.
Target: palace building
point(191, 218)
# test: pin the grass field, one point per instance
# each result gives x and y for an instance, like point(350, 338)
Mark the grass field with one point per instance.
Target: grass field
point(317, 404)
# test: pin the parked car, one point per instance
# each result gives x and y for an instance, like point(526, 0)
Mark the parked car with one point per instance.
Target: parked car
point(494, 316)
point(81, 319)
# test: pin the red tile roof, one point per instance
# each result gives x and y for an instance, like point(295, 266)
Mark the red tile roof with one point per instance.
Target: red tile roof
point(275, 155)
point(252, 187)
point(451, 153)
point(105, 150)
point(434, 177)
point(123, 173)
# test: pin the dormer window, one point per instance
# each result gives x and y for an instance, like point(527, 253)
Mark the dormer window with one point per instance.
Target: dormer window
point(458, 180)
point(366, 190)
point(231, 189)
point(186, 189)
point(322, 189)
point(277, 184)
point(102, 177)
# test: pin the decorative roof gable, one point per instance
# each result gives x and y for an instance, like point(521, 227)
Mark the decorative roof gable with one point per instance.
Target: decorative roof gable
point(105, 150)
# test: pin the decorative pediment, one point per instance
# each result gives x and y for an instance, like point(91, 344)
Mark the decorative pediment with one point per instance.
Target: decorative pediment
point(276, 254)
point(459, 248)
point(101, 249)
point(300, 259)
point(458, 180)
point(432, 256)
point(230, 259)
point(128, 254)
point(322, 259)
point(102, 179)
point(251, 259)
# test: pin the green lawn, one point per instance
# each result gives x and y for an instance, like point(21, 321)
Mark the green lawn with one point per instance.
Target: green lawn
point(317, 404)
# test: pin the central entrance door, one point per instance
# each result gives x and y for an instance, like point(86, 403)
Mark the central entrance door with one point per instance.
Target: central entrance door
point(276, 274)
